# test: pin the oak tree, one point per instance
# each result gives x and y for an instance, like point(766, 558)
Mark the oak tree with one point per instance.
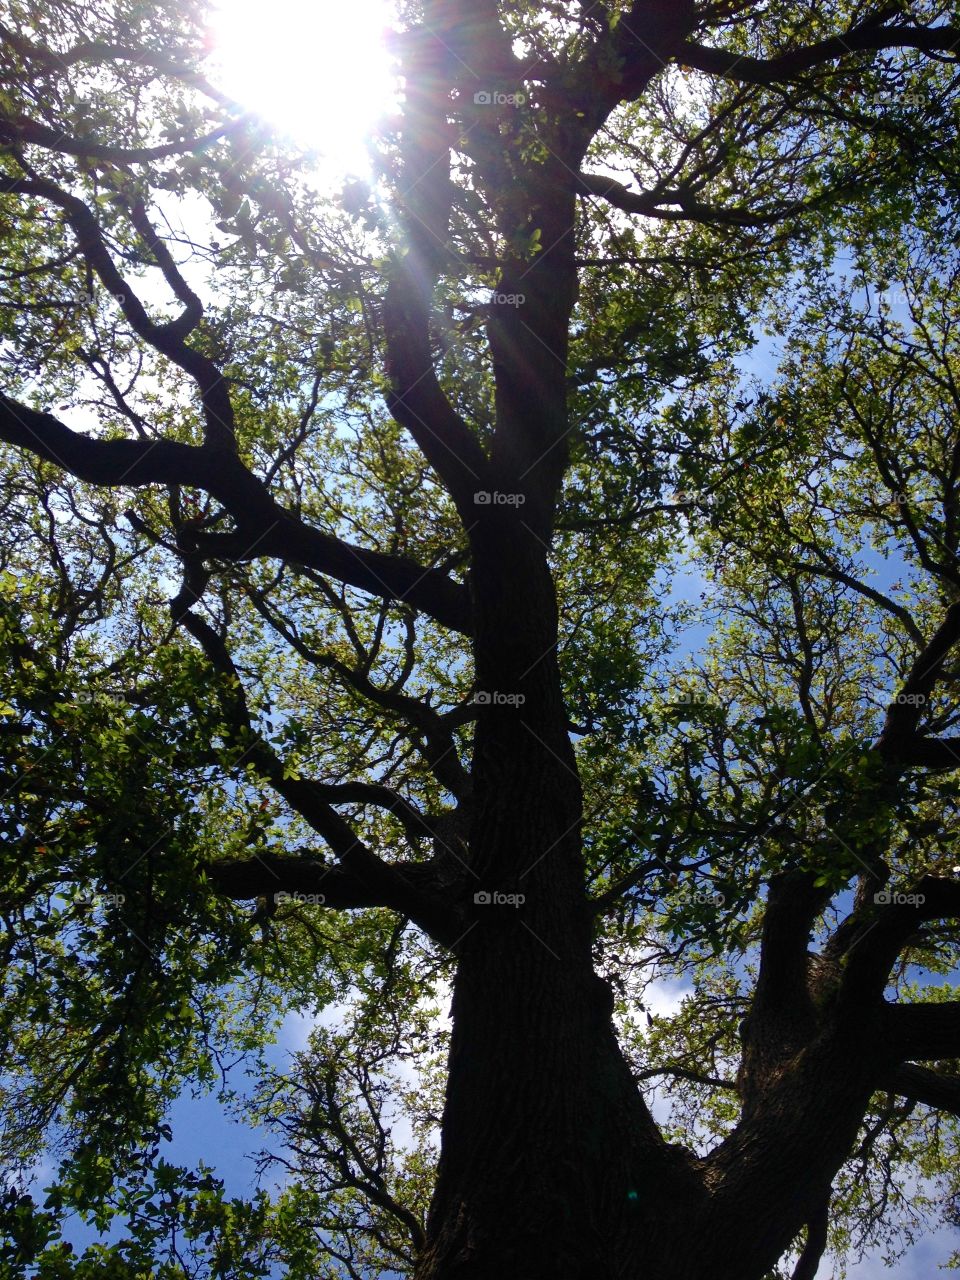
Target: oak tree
point(501, 584)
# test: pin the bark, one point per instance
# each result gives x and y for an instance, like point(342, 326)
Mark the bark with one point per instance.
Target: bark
point(550, 1159)
point(551, 1164)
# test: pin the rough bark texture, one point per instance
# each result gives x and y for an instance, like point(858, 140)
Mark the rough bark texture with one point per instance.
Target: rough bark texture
point(550, 1159)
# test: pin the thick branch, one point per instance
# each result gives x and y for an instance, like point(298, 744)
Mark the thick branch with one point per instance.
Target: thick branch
point(621, 63)
point(921, 1084)
point(834, 574)
point(192, 312)
point(415, 399)
point(388, 885)
point(22, 131)
point(809, 1261)
point(267, 875)
point(924, 1031)
point(793, 900)
point(168, 339)
point(865, 946)
point(657, 204)
point(931, 753)
point(416, 824)
point(866, 37)
point(782, 1016)
point(264, 527)
point(899, 741)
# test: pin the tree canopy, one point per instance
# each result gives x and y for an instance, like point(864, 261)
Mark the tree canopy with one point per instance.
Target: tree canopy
point(461, 599)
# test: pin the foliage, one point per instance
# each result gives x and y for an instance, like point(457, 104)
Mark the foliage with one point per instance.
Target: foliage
point(241, 696)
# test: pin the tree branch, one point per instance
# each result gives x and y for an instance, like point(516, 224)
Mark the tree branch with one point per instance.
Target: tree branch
point(413, 893)
point(168, 338)
point(866, 36)
point(651, 204)
point(866, 944)
point(266, 875)
point(809, 1261)
point(684, 1073)
point(924, 1031)
point(264, 527)
point(425, 193)
point(924, 1085)
point(22, 131)
point(438, 744)
point(863, 588)
point(899, 741)
point(782, 1016)
point(625, 58)
point(96, 52)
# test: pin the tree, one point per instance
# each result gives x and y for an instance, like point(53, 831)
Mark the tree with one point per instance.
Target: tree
point(338, 544)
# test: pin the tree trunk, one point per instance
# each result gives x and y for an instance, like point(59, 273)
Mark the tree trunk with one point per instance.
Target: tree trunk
point(551, 1166)
point(549, 1157)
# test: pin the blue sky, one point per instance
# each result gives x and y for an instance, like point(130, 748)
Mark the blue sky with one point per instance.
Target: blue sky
point(920, 1263)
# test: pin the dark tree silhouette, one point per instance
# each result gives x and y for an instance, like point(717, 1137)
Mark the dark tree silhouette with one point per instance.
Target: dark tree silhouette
point(352, 521)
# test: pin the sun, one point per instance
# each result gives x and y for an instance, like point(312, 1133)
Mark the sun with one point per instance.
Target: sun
point(319, 72)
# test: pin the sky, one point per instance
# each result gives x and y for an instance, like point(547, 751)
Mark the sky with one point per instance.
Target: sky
point(327, 88)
